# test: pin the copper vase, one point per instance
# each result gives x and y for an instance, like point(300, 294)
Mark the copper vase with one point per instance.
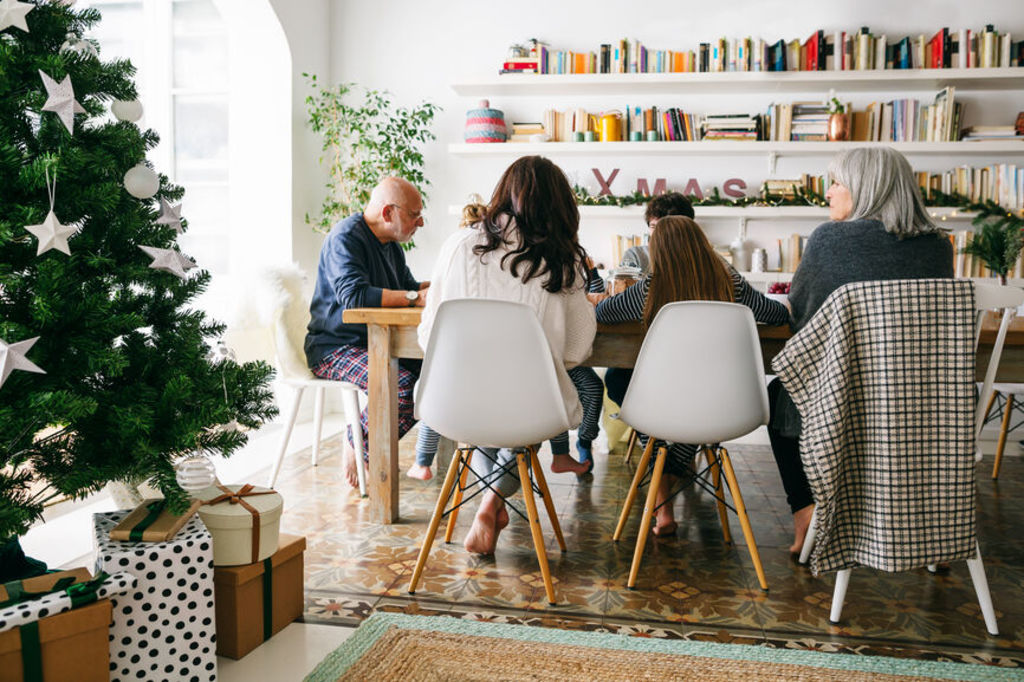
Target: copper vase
point(838, 127)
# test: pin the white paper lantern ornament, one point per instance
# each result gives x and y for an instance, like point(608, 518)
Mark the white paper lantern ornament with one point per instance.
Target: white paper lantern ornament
point(141, 182)
point(195, 472)
point(126, 110)
point(80, 47)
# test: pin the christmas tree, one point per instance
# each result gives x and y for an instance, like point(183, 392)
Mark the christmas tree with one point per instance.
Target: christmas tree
point(106, 372)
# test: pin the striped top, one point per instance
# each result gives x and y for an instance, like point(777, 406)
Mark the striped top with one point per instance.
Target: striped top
point(628, 306)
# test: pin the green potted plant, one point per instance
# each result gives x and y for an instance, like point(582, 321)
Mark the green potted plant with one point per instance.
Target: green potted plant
point(366, 137)
point(997, 241)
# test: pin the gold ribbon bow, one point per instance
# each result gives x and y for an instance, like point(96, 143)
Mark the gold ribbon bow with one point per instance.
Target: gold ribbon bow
point(235, 497)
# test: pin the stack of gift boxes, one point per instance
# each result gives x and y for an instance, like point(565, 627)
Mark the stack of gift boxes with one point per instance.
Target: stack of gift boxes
point(171, 593)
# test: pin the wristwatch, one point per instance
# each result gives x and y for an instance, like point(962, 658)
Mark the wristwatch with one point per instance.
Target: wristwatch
point(412, 297)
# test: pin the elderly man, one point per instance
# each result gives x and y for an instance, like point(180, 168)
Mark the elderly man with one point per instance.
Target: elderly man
point(362, 265)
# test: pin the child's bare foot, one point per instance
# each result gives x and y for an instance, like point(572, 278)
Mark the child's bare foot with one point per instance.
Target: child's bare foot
point(501, 519)
point(562, 464)
point(348, 464)
point(419, 471)
point(801, 522)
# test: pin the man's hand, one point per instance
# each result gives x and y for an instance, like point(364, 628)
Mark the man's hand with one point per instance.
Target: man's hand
point(422, 299)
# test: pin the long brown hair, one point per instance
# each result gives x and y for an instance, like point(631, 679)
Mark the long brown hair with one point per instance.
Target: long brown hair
point(684, 267)
point(535, 194)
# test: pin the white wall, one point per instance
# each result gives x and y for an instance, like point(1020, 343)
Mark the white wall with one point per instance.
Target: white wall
point(417, 49)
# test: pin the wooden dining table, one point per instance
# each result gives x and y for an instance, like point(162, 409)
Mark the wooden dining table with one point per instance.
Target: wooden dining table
point(392, 335)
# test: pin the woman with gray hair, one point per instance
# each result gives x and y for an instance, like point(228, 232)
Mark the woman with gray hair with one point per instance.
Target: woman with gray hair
point(879, 230)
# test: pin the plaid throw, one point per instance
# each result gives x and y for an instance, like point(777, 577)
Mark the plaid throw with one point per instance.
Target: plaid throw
point(883, 377)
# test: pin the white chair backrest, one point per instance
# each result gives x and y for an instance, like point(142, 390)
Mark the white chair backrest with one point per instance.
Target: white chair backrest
point(988, 296)
point(290, 317)
point(488, 376)
point(699, 377)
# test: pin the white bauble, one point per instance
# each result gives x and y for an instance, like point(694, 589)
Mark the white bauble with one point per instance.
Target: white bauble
point(195, 473)
point(141, 182)
point(130, 110)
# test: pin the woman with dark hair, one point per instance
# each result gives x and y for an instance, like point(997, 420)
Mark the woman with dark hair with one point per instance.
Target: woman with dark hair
point(879, 230)
point(684, 267)
point(525, 249)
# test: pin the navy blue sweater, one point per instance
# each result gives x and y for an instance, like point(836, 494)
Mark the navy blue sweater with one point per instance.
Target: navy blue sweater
point(354, 268)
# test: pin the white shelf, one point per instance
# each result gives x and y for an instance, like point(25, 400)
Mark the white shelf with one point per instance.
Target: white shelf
point(820, 213)
point(616, 84)
point(730, 147)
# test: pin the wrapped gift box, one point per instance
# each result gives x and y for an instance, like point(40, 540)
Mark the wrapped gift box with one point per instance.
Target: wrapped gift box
point(61, 634)
point(151, 522)
point(243, 592)
point(164, 628)
point(244, 522)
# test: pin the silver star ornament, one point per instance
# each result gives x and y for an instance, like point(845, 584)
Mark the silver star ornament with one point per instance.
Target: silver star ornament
point(12, 13)
point(170, 215)
point(60, 98)
point(12, 357)
point(167, 260)
point(52, 235)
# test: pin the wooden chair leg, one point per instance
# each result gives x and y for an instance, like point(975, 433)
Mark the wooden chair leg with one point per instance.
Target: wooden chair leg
point(741, 511)
point(645, 520)
point(631, 495)
point(631, 444)
point(1007, 411)
point(538, 536)
point(991, 401)
point(435, 521)
point(454, 515)
point(716, 480)
point(549, 504)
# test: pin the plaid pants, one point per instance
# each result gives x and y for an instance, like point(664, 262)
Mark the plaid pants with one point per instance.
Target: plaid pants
point(351, 364)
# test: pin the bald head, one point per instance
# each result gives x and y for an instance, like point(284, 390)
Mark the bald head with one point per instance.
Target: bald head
point(394, 210)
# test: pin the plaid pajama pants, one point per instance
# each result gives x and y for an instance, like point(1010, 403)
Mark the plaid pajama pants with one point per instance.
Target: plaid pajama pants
point(351, 364)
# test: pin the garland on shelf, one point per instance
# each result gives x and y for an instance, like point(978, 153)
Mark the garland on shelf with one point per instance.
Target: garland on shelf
point(802, 197)
point(1000, 235)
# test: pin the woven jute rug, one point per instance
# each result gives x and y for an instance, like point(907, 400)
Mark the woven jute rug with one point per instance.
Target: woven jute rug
point(412, 648)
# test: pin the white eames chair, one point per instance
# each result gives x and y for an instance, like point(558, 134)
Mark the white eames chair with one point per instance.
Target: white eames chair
point(987, 296)
point(699, 379)
point(489, 379)
point(289, 330)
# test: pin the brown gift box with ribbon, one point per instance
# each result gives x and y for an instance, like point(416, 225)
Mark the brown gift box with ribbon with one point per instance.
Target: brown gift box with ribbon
point(256, 601)
point(151, 522)
point(71, 645)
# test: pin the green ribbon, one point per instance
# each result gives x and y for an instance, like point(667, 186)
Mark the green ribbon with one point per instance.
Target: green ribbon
point(31, 653)
point(16, 592)
point(85, 593)
point(156, 507)
point(268, 599)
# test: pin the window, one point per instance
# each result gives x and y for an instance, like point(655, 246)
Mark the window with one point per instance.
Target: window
point(180, 48)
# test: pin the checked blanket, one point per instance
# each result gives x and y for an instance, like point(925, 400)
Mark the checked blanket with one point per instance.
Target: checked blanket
point(883, 377)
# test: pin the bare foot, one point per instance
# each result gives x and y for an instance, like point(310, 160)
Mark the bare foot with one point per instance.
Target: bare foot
point(501, 519)
point(348, 464)
point(801, 522)
point(664, 528)
point(562, 464)
point(419, 471)
point(483, 535)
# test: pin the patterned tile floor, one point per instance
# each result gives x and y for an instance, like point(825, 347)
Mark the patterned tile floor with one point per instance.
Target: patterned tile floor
point(691, 586)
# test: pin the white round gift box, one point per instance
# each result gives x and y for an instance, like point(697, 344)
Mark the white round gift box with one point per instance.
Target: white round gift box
point(231, 525)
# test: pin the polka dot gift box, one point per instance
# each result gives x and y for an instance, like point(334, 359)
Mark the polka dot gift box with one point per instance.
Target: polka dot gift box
point(163, 629)
point(484, 124)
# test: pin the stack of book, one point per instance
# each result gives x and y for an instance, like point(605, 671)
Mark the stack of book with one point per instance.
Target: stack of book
point(522, 132)
point(991, 133)
point(1002, 183)
point(810, 122)
point(730, 127)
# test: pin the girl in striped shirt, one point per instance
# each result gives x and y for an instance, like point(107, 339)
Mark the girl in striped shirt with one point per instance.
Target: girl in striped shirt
point(684, 267)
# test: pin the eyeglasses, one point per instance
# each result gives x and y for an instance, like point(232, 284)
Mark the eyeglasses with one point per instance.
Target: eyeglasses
point(415, 216)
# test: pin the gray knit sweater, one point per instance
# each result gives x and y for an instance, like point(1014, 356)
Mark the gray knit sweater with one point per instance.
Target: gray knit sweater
point(838, 253)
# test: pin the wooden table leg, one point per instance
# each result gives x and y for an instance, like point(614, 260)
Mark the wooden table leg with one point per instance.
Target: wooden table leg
point(382, 483)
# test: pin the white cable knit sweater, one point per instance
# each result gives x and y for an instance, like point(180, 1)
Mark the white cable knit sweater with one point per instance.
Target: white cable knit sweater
point(566, 317)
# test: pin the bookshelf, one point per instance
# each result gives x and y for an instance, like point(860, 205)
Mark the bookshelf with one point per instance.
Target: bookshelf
point(587, 84)
point(681, 161)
